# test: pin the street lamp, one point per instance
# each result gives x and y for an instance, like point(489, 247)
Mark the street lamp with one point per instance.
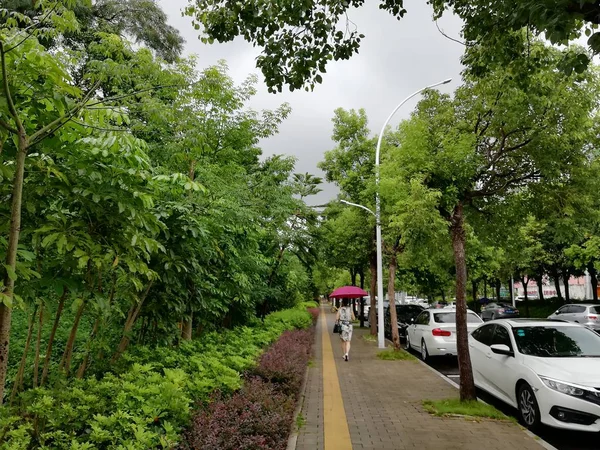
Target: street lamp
point(380, 336)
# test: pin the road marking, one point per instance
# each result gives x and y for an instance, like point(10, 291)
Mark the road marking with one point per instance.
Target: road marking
point(335, 425)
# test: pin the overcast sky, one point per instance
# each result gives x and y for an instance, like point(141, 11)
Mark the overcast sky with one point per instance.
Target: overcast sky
point(396, 58)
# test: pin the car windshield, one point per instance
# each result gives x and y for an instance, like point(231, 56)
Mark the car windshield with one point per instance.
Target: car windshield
point(450, 317)
point(557, 342)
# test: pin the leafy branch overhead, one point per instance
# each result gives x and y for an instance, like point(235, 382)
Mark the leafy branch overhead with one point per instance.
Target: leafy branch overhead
point(299, 38)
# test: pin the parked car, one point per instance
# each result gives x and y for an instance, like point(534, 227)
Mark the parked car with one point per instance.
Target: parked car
point(548, 370)
point(493, 311)
point(433, 332)
point(588, 315)
point(405, 314)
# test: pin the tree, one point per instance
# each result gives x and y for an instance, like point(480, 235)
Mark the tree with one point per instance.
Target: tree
point(142, 20)
point(138, 194)
point(491, 140)
point(350, 165)
point(299, 42)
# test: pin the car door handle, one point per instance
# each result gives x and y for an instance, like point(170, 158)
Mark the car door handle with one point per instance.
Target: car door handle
point(488, 355)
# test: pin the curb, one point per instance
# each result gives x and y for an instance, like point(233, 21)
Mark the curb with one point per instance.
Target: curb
point(534, 436)
point(294, 432)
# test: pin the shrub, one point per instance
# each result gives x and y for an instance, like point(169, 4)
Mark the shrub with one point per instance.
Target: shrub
point(314, 312)
point(146, 399)
point(284, 364)
point(259, 416)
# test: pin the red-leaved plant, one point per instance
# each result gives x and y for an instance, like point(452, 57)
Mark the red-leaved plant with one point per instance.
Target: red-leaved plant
point(258, 416)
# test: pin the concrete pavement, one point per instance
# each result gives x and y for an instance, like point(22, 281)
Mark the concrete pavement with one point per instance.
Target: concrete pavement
point(379, 404)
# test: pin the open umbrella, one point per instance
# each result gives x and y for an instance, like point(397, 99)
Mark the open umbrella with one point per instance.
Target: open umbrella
point(348, 292)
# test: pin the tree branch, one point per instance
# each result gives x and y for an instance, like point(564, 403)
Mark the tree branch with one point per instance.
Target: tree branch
point(33, 26)
point(119, 97)
point(61, 121)
point(6, 88)
point(7, 127)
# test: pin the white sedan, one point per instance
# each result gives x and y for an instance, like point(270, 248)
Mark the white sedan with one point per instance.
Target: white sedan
point(549, 371)
point(433, 332)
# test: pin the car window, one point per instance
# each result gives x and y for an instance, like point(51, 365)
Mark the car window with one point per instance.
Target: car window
point(407, 312)
point(423, 318)
point(557, 342)
point(450, 317)
point(484, 334)
point(501, 336)
point(595, 309)
point(576, 309)
point(563, 310)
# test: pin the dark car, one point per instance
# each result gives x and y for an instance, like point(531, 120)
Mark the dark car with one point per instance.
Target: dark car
point(493, 311)
point(404, 313)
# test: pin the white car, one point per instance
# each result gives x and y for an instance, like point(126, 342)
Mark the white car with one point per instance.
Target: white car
point(433, 332)
point(548, 370)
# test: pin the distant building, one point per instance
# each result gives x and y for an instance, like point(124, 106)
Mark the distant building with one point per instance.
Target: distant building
point(580, 288)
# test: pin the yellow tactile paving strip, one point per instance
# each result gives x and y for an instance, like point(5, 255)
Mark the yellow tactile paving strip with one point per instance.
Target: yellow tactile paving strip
point(335, 425)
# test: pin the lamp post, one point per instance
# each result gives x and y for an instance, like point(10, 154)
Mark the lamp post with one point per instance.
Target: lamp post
point(380, 336)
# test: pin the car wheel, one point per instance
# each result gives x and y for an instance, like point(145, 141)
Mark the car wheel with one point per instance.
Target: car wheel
point(407, 341)
point(529, 412)
point(424, 353)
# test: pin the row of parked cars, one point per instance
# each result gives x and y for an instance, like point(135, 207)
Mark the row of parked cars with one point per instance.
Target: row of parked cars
point(548, 369)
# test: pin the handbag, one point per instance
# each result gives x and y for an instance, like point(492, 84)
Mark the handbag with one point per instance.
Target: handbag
point(337, 328)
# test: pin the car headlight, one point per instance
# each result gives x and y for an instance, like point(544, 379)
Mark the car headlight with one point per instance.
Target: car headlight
point(564, 388)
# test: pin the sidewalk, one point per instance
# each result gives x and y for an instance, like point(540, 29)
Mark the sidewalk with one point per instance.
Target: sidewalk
point(382, 404)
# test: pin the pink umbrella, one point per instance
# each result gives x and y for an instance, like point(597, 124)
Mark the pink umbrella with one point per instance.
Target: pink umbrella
point(348, 292)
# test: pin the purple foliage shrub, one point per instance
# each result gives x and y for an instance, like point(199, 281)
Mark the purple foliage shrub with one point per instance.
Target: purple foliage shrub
point(256, 417)
point(314, 312)
point(259, 416)
point(284, 363)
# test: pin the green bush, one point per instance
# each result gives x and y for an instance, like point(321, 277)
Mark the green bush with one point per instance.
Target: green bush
point(147, 398)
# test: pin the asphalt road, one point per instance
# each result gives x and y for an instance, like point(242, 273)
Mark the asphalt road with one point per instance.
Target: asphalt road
point(561, 439)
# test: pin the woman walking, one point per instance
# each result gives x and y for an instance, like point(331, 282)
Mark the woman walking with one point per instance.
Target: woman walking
point(345, 317)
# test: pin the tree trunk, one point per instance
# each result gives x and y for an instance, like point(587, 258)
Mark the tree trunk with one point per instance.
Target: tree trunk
point(19, 378)
point(485, 288)
point(373, 308)
point(566, 275)
point(443, 295)
point(36, 362)
point(498, 287)
point(557, 284)
point(65, 362)
point(134, 311)
point(353, 276)
point(83, 365)
point(525, 283)
point(593, 280)
point(11, 256)
point(467, 385)
point(540, 286)
point(61, 305)
point(188, 326)
point(474, 289)
point(392, 297)
point(361, 275)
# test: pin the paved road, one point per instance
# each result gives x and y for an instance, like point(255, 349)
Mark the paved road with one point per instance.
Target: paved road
point(562, 440)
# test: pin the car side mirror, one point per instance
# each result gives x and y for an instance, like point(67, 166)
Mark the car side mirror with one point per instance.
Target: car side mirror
point(501, 349)
point(557, 312)
point(412, 320)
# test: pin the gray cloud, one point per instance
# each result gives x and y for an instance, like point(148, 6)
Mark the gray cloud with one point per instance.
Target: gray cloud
point(396, 58)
